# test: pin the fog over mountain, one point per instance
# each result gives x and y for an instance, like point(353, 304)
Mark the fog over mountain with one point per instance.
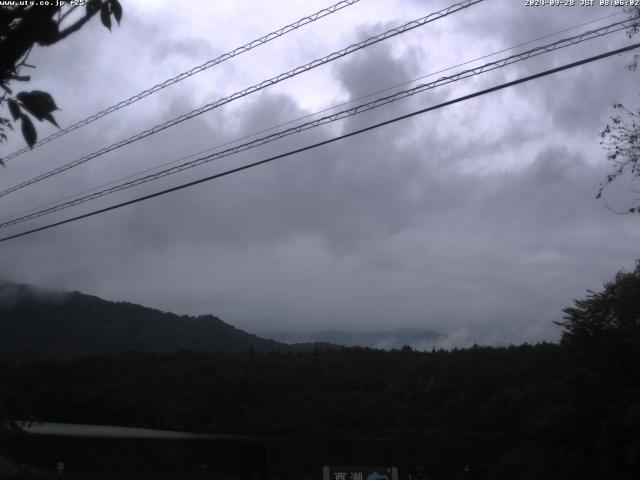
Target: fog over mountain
point(38, 324)
point(416, 338)
point(478, 221)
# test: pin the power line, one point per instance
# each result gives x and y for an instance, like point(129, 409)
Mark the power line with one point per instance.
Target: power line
point(318, 112)
point(328, 119)
point(331, 140)
point(303, 117)
point(563, 43)
point(257, 87)
point(528, 42)
point(189, 73)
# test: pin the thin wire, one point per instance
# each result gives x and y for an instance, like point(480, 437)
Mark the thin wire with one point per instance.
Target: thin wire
point(195, 70)
point(563, 43)
point(262, 85)
point(318, 112)
point(331, 140)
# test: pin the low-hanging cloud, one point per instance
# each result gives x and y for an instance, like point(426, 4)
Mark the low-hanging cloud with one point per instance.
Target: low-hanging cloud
point(478, 221)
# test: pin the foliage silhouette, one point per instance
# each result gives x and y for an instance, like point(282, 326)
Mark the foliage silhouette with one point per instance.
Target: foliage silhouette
point(21, 28)
point(568, 410)
point(621, 137)
point(608, 317)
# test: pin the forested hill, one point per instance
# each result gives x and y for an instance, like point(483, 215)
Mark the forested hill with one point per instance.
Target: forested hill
point(37, 324)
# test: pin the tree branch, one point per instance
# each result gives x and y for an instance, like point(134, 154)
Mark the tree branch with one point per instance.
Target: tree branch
point(66, 14)
point(74, 27)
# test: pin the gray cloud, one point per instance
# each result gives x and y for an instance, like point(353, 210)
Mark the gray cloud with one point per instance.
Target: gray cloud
point(477, 220)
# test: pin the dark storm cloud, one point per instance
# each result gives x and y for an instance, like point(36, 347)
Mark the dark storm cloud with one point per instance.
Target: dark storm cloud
point(374, 70)
point(579, 100)
point(478, 220)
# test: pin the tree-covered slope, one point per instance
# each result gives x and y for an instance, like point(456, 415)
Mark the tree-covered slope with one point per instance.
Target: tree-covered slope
point(37, 324)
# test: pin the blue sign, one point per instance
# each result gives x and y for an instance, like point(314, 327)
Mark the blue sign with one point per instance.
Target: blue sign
point(359, 473)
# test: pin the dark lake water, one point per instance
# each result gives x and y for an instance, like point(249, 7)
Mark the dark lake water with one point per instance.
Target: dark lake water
point(94, 452)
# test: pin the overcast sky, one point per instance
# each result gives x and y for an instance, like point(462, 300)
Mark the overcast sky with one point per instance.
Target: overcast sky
point(478, 220)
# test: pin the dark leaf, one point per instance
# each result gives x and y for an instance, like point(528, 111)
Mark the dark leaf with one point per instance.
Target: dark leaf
point(93, 6)
point(2, 163)
point(46, 31)
point(116, 9)
point(105, 11)
point(50, 119)
point(29, 131)
point(37, 103)
point(14, 109)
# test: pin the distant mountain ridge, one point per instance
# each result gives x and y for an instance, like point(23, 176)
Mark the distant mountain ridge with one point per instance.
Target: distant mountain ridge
point(418, 338)
point(40, 324)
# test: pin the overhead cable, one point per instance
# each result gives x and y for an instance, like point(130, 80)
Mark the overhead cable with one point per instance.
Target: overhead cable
point(303, 117)
point(189, 73)
point(329, 141)
point(255, 88)
point(501, 63)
